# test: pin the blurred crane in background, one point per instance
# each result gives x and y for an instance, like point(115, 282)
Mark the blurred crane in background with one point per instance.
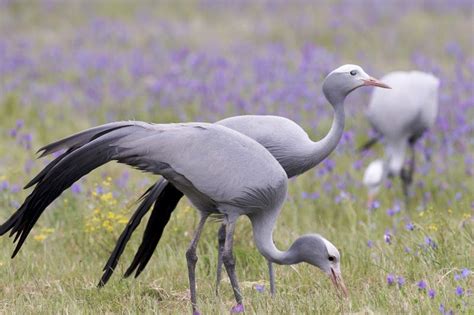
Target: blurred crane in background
point(399, 116)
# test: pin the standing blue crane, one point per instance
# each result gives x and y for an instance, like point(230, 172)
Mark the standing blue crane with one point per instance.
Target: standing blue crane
point(400, 116)
point(283, 138)
point(221, 171)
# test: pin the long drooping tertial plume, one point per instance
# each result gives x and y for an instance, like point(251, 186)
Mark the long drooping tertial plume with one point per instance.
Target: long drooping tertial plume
point(166, 203)
point(87, 151)
point(147, 200)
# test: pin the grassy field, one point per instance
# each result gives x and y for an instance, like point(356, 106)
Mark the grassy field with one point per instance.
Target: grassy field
point(65, 67)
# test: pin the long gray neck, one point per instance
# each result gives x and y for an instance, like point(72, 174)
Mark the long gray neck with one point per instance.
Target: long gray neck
point(319, 150)
point(263, 225)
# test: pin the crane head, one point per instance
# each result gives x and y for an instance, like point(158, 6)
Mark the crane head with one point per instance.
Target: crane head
point(318, 251)
point(345, 79)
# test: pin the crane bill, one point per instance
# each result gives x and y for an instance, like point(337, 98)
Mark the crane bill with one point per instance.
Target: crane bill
point(374, 82)
point(338, 282)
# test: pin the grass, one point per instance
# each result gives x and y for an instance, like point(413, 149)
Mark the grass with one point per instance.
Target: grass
point(60, 264)
point(59, 273)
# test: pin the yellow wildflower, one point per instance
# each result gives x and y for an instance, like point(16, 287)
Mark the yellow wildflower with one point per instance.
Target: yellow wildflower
point(450, 211)
point(40, 237)
point(466, 215)
point(122, 221)
point(433, 227)
point(422, 213)
point(107, 197)
point(3, 177)
point(47, 230)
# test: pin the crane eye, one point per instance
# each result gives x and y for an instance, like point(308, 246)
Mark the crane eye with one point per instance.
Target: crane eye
point(353, 72)
point(332, 258)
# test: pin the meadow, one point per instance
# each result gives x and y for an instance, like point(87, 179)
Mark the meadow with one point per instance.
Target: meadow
point(67, 66)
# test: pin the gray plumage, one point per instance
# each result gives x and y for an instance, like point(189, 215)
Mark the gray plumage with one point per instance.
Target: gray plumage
point(282, 137)
point(400, 116)
point(220, 170)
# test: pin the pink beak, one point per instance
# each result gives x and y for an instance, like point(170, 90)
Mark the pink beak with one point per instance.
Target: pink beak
point(336, 279)
point(375, 82)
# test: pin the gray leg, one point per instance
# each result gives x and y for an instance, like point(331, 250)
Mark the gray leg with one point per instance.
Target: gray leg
point(220, 249)
point(191, 258)
point(229, 263)
point(406, 176)
point(272, 278)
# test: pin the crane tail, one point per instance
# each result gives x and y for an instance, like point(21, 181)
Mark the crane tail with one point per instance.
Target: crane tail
point(59, 175)
point(164, 206)
point(147, 200)
point(366, 146)
point(81, 138)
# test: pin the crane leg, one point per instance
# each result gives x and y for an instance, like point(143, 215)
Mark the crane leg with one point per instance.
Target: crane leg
point(229, 263)
point(221, 242)
point(191, 258)
point(407, 176)
point(271, 272)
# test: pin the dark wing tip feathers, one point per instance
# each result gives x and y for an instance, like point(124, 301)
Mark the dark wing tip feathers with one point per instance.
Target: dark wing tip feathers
point(56, 177)
point(164, 206)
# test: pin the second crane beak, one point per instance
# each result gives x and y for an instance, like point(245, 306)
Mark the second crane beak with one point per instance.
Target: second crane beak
point(375, 82)
point(336, 279)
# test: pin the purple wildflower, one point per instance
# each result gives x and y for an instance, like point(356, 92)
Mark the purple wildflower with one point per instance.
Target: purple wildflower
point(390, 279)
point(443, 311)
point(375, 204)
point(421, 285)
point(239, 308)
point(459, 291)
point(4, 185)
point(410, 226)
point(431, 293)
point(465, 273)
point(99, 190)
point(357, 165)
point(13, 133)
point(430, 242)
point(397, 208)
point(15, 188)
point(457, 276)
point(76, 188)
point(259, 287)
point(329, 164)
point(390, 212)
point(370, 244)
point(387, 237)
point(442, 308)
point(19, 123)
point(400, 281)
point(458, 196)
